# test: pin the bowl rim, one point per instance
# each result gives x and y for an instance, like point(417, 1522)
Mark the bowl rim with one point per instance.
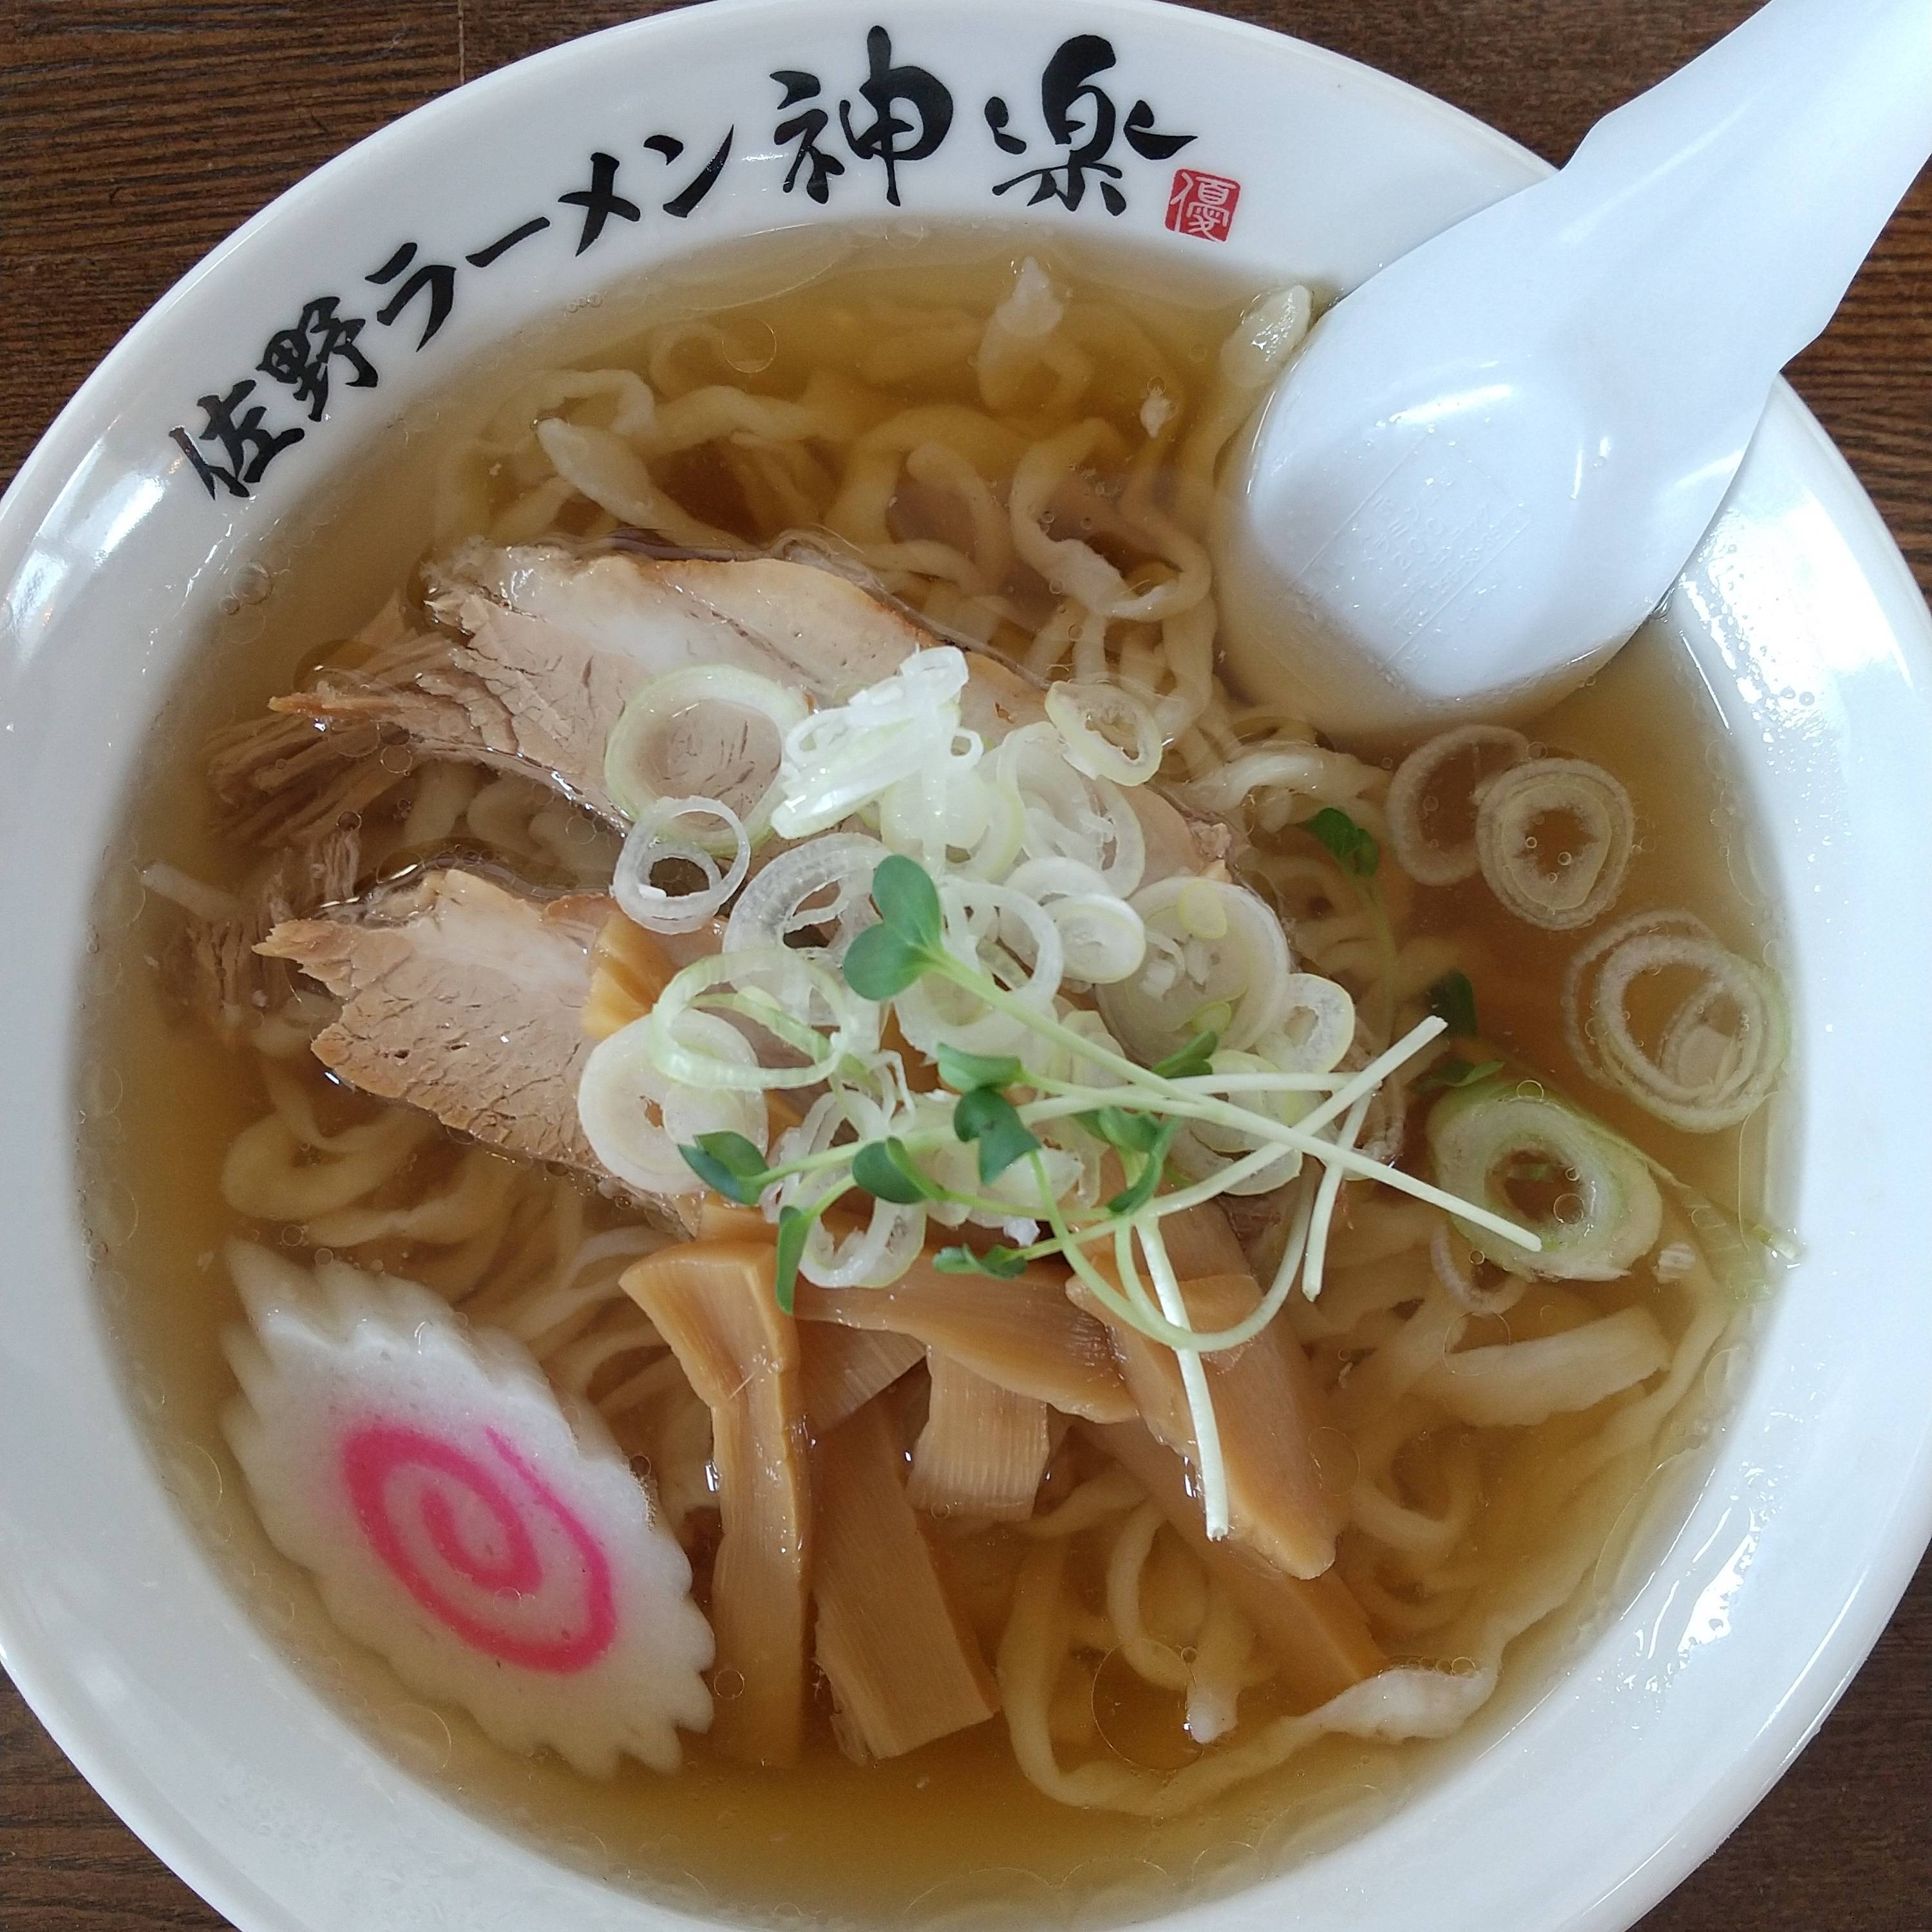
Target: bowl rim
point(77, 1721)
point(48, 461)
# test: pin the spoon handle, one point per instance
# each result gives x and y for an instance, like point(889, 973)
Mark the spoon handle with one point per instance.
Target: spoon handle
point(1727, 210)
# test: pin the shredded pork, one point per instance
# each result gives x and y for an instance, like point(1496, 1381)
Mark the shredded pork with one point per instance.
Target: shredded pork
point(214, 966)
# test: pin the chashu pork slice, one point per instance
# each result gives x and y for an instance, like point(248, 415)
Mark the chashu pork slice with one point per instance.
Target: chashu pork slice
point(465, 1000)
point(554, 645)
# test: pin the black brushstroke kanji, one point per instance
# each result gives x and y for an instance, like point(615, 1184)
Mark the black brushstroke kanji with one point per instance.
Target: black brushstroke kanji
point(885, 88)
point(1081, 118)
point(247, 446)
point(299, 357)
point(819, 168)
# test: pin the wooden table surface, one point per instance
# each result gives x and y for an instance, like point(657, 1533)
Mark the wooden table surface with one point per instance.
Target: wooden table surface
point(135, 134)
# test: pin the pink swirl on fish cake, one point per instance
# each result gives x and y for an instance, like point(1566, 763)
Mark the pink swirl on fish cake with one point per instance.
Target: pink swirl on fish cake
point(375, 1454)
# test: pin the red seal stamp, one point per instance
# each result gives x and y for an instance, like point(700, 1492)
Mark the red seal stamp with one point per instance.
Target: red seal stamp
point(1202, 205)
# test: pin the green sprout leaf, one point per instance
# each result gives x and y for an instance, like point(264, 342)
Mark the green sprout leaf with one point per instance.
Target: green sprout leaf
point(1453, 1000)
point(1194, 1059)
point(963, 1071)
point(880, 964)
point(1354, 849)
point(1002, 1264)
point(885, 1169)
point(1447, 1074)
point(908, 901)
point(990, 1119)
point(729, 1165)
point(1137, 1194)
point(1132, 1133)
point(794, 1224)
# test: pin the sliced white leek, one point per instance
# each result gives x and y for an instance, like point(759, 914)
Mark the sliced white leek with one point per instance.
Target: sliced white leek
point(1109, 733)
point(1724, 1038)
point(1415, 799)
point(821, 888)
point(1217, 960)
point(636, 1118)
point(1314, 1026)
point(1211, 1145)
point(1067, 815)
point(839, 760)
point(1554, 837)
point(809, 1016)
point(1456, 1264)
point(933, 1011)
point(1588, 1195)
point(679, 831)
point(709, 731)
point(882, 1248)
point(1104, 937)
point(952, 817)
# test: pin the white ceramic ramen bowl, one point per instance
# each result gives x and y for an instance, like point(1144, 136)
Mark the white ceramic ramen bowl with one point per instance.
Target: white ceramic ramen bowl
point(123, 534)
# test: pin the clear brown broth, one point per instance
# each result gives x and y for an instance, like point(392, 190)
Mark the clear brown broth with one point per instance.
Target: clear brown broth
point(953, 1833)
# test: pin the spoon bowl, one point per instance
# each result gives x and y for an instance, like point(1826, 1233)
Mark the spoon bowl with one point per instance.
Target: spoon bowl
point(1491, 460)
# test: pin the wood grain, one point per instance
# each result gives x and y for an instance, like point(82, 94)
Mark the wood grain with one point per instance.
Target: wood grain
point(135, 134)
